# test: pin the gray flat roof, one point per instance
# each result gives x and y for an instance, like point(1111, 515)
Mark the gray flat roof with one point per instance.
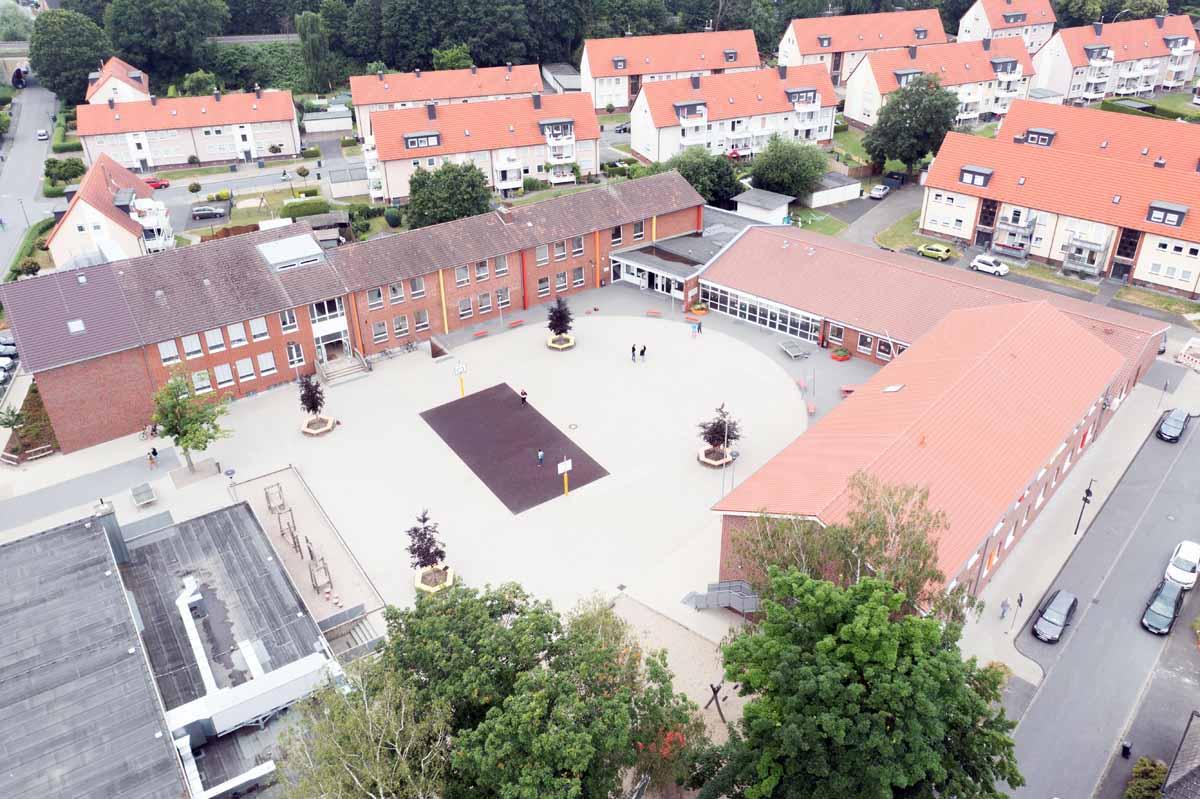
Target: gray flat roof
point(835, 180)
point(78, 713)
point(347, 175)
point(761, 198)
point(1043, 94)
point(564, 74)
point(682, 256)
point(334, 112)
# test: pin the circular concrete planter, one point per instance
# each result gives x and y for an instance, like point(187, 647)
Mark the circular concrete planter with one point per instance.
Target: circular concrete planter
point(699, 311)
point(425, 588)
point(838, 355)
point(712, 463)
point(561, 343)
point(318, 426)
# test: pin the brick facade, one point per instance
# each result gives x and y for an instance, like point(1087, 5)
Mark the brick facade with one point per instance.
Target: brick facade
point(96, 400)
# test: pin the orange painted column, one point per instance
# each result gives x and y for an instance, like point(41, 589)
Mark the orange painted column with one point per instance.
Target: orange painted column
point(699, 218)
point(353, 308)
point(654, 228)
point(599, 259)
point(524, 289)
point(442, 297)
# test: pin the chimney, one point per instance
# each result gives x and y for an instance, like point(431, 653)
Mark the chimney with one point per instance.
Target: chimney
point(1098, 27)
point(782, 72)
point(912, 52)
point(987, 43)
point(417, 72)
point(505, 214)
point(474, 69)
point(153, 99)
point(379, 74)
point(110, 102)
point(104, 519)
point(537, 101)
point(217, 95)
point(695, 81)
point(431, 110)
point(258, 91)
point(1160, 162)
point(1159, 20)
point(508, 65)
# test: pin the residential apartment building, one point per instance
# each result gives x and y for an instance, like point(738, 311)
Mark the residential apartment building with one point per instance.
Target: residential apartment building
point(119, 82)
point(1032, 21)
point(1091, 191)
point(613, 71)
point(840, 43)
point(1133, 57)
point(735, 114)
point(553, 138)
point(245, 313)
point(216, 129)
point(391, 91)
point(112, 215)
point(987, 76)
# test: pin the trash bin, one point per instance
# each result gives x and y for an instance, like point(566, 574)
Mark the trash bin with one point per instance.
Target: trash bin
point(233, 167)
point(262, 163)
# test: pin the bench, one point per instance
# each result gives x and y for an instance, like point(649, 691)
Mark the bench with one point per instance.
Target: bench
point(654, 313)
point(516, 323)
point(479, 334)
point(142, 494)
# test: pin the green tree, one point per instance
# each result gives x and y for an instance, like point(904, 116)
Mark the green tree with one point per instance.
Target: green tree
point(788, 167)
point(1138, 9)
point(199, 82)
point(92, 9)
point(450, 192)
point(163, 36)
point(334, 16)
point(361, 37)
point(558, 317)
point(12, 419)
point(555, 28)
point(192, 422)
point(711, 175)
point(64, 170)
point(234, 65)
point(375, 67)
point(912, 123)
point(65, 48)
point(370, 738)
point(194, 187)
point(314, 48)
point(1145, 782)
point(1073, 13)
point(456, 56)
point(15, 24)
point(850, 697)
point(5, 123)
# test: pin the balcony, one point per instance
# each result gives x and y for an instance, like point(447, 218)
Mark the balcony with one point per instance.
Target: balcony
point(1183, 51)
point(1127, 88)
point(1086, 242)
point(807, 108)
point(1173, 66)
point(509, 179)
point(1174, 83)
point(1150, 68)
point(559, 175)
point(1079, 263)
point(1008, 91)
point(560, 155)
point(1024, 226)
point(967, 113)
point(554, 139)
point(1015, 250)
point(1101, 61)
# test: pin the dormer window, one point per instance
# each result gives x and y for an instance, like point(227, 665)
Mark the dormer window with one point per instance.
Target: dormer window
point(904, 76)
point(1013, 18)
point(1165, 213)
point(415, 141)
point(922, 33)
point(1175, 41)
point(689, 109)
point(1095, 51)
point(730, 56)
point(619, 62)
point(975, 175)
point(557, 127)
point(801, 96)
point(823, 41)
point(1004, 66)
point(1042, 137)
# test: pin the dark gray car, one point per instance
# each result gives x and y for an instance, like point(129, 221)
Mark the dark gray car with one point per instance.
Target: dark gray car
point(1173, 423)
point(1163, 607)
point(1055, 616)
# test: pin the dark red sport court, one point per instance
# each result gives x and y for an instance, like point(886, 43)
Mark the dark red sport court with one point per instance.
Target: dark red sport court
point(498, 439)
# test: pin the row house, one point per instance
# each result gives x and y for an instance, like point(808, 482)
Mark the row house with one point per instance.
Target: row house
point(1127, 217)
point(613, 71)
point(243, 314)
point(840, 43)
point(553, 138)
point(734, 114)
point(117, 81)
point(986, 75)
point(216, 128)
point(1130, 58)
point(1031, 21)
point(111, 215)
point(396, 90)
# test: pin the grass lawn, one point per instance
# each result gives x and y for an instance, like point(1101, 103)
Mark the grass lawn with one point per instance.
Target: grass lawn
point(351, 152)
point(274, 199)
point(625, 148)
point(1163, 302)
point(191, 172)
point(1178, 101)
point(987, 131)
point(903, 235)
point(817, 221)
point(850, 142)
point(182, 241)
point(551, 193)
point(1052, 275)
point(613, 119)
point(379, 225)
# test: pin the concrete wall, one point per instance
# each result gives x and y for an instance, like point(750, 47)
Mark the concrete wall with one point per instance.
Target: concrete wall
point(71, 242)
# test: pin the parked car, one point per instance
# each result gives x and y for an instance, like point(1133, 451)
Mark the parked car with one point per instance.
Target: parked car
point(1172, 425)
point(7, 339)
point(938, 252)
point(43, 134)
point(622, 128)
point(207, 212)
point(1163, 607)
point(899, 177)
point(1055, 616)
point(7, 363)
point(8, 351)
point(158, 183)
point(1162, 344)
point(989, 264)
point(879, 191)
point(1183, 565)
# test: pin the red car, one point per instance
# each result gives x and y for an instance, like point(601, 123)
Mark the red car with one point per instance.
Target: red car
point(158, 183)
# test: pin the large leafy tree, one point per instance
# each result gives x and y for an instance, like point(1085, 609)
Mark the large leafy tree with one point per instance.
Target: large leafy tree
point(711, 175)
point(450, 192)
point(851, 697)
point(199, 82)
point(455, 56)
point(912, 123)
point(788, 167)
point(92, 9)
point(951, 12)
point(65, 48)
point(334, 16)
point(314, 49)
point(163, 36)
point(15, 24)
point(361, 36)
point(191, 421)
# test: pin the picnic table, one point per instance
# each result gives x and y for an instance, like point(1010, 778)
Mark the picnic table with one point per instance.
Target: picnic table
point(143, 494)
point(794, 349)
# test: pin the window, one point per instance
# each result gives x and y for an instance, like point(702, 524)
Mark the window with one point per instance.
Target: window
point(485, 302)
point(1155, 268)
point(245, 370)
point(237, 335)
point(168, 351)
point(400, 326)
point(560, 281)
point(577, 245)
point(191, 347)
point(577, 276)
point(1171, 271)
point(266, 363)
point(501, 265)
point(416, 287)
point(1193, 252)
point(214, 340)
point(543, 254)
point(836, 333)
point(481, 271)
point(1162, 245)
point(462, 276)
point(287, 320)
point(1177, 249)
point(560, 250)
point(1186, 275)
point(374, 298)
point(258, 328)
point(543, 286)
point(865, 343)
point(502, 300)
point(616, 236)
point(639, 227)
point(295, 354)
point(379, 332)
point(421, 318)
point(975, 176)
point(885, 349)
point(396, 293)
point(464, 308)
point(201, 381)
point(224, 375)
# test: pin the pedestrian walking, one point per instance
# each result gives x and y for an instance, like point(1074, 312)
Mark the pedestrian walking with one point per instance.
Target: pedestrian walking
point(152, 458)
point(524, 397)
point(1020, 600)
point(643, 353)
point(700, 326)
point(633, 353)
point(1004, 608)
point(541, 457)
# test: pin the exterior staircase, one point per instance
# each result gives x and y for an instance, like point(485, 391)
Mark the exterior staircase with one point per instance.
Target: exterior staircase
point(733, 594)
point(344, 370)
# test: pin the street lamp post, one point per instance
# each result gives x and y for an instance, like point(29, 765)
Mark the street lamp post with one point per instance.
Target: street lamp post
point(20, 202)
point(1087, 500)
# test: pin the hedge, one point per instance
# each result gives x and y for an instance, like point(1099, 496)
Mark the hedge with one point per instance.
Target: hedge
point(317, 205)
point(349, 141)
point(1158, 113)
point(311, 152)
point(311, 191)
point(50, 191)
point(218, 196)
point(59, 144)
point(841, 127)
point(364, 211)
point(25, 248)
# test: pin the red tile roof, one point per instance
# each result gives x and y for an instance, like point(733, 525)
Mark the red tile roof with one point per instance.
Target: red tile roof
point(116, 68)
point(1081, 185)
point(984, 405)
point(737, 94)
point(171, 113)
point(98, 187)
point(955, 63)
point(445, 84)
point(868, 31)
point(674, 52)
point(475, 127)
point(1129, 40)
point(1037, 12)
point(1120, 137)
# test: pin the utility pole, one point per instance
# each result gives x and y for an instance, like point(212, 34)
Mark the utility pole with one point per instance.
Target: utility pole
point(1087, 500)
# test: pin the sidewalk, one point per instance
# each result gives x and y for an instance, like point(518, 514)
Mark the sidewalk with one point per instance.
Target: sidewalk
point(1032, 565)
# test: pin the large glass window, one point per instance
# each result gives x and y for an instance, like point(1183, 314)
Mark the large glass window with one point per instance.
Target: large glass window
point(485, 302)
point(258, 328)
point(191, 347)
point(543, 254)
point(396, 293)
point(577, 245)
point(416, 287)
point(464, 308)
point(245, 369)
point(266, 363)
point(374, 298)
point(224, 375)
point(379, 333)
point(462, 275)
point(287, 321)
point(168, 351)
point(502, 300)
point(865, 343)
point(501, 265)
point(543, 286)
point(295, 354)
point(237, 335)
point(421, 320)
point(201, 381)
point(215, 340)
point(400, 326)
point(326, 309)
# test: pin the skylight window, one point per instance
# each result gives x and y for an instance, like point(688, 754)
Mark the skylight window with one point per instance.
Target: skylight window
point(893, 388)
point(75, 326)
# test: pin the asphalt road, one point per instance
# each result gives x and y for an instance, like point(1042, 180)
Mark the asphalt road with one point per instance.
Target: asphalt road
point(1096, 675)
point(21, 171)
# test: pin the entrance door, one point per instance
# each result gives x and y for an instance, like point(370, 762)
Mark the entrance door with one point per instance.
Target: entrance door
point(616, 267)
point(331, 346)
point(247, 156)
point(143, 164)
point(635, 86)
point(1120, 271)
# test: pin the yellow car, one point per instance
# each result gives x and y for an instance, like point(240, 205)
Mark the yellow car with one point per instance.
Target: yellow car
point(939, 252)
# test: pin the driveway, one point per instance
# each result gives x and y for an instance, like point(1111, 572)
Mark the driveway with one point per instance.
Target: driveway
point(21, 170)
point(887, 212)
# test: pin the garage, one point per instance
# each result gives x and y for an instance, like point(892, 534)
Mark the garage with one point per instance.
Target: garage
point(338, 119)
point(834, 188)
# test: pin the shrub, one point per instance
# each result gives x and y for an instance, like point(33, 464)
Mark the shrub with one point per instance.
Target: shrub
point(42, 244)
point(533, 184)
point(50, 190)
point(721, 430)
point(629, 160)
point(311, 152)
point(315, 205)
point(310, 191)
point(364, 211)
point(32, 236)
point(1147, 779)
point(302, 171)
point(841, 127)
point(193, 159)
point(349, 141)
point(608, 109)
point(360, 227)
point(218, 196)
point(59, 143)
point(392, 215)
point(27, 268)
point(274, 149)
point(194, 187)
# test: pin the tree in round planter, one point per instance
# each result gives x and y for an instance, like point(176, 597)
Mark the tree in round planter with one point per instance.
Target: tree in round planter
point(312, 400)
point(718, 433)
point(559, 321)
point(428, 556)
point(840, 354)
